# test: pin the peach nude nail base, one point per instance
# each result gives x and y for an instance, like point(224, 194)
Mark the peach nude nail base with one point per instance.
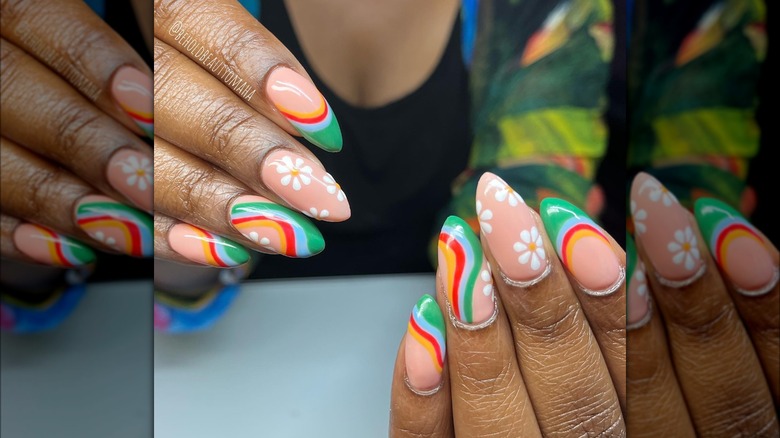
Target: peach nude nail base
point(645, 319)
point(681, 283)
point(764, 290)
point(529, 283)
point(426, 393)
point(608, 291)
point(473, 327)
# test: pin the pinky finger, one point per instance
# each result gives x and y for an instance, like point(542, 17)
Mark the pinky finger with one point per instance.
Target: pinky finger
point(184, 243)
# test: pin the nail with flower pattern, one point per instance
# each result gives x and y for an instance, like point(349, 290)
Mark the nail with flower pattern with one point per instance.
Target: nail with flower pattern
point(305, 185)
point(49, 247)
point(425, 347)
point(206, 248)
point(737, 247)
point(466, 275)
point(130, 173)
point(115, 225)
point(638, 294)
point(132, 90)
point(582, 246)
point(666, 233)
point(511, 232)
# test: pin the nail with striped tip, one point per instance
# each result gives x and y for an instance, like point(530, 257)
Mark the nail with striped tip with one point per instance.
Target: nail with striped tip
point(49, 247)
point(115, 225)
point(132, 91)
point(425, 347)
point(206, 248)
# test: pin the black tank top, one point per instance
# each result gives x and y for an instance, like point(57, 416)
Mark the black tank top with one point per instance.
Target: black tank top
point(397, 167)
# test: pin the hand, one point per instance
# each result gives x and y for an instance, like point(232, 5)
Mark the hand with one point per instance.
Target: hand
point(543, 356)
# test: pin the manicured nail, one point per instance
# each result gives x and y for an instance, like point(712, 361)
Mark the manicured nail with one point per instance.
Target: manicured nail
point(466, 273)
point(206, 248)
point(665, 232)
point(582, 246)
point(49, 247)
point(130, 173)
point(116, 225)
point(276, 228)
point(511, 231)
point(305, 185)
point(736, 246)
point(637, 296)
point(132, 90)
point(425, 346)
point(299, 101)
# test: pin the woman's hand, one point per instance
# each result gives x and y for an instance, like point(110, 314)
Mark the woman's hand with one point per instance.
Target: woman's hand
point(544, 356)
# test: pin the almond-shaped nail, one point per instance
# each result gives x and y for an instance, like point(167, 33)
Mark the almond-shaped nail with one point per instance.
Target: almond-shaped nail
point(115, 225)
point(132, 90)
point(425, 346)
point(466, 273)
point(663, 227)
point(510, 231)
point(638, 294)
point(303, 106)
point(305, 185)
point(582, 247)
point(130, 173)
point(206, 248)
point(276, 228)
point(49, 247)
point(736, 246)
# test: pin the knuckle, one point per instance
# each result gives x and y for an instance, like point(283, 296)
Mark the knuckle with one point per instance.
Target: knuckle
point(238, 41)
point(555, 322)
point(73, 127)
point(228, 119)
point(10, 68)
point(597, 417)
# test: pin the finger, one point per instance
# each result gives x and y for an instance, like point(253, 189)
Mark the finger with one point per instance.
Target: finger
point(263, 72)
point(46, 115)
point(716, 364)
point(70, 39)
point(655, 405)
point(749, 265)
point(38, 244)
point(201, 116)
point(197, 193)
point(185, 243)
point(595, 264)
point(39, 192)
point(563, 368)
point(420, 402)
point(484, 375)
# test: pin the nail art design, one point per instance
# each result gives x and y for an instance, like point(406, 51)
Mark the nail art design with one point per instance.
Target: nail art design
point(665, 232)
point(638, 295)
point(468, 278)
point(130, 173)
point(305, 185)
point(511, 232)
point(301, 103)
point(736, 246)
point(116, 225)
point(206, 248)
point(276, 228)
point(132, 90)
point(582, 247)
point(425, 345)
point(49, 247)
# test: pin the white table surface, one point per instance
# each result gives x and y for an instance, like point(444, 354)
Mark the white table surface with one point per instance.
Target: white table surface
point(291, 358)
point(91, 377)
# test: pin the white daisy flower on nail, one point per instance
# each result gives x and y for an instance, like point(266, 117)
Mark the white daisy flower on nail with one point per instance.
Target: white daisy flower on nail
point(295, 173)
point(486, 276)
point(139, 171)
point(484, 217)
point(638, 217)
point(639, 277)
point(333, 187)
point(254, 237)
point(101, 237)
point(317, 214)
point(505, 193)
point(531, 248)
point(684, 248)
point(658, 192)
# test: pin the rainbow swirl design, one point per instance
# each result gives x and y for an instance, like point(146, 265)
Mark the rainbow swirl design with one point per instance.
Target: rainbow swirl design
point(572, 231)
point(318, 126)
point(103, 218)
point(463, 258)
point(144, 119)
point(63, 251)
point(727, 231)
point(426, 326)
point(218, 251)
point(297, 236)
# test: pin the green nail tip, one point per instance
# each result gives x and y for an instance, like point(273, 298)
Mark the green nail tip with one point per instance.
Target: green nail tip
point(428, 310)
point(710, 214)
point(631, 257)
point(235, 251)
point(82, 253)
point(561, 219)
point(328, 139)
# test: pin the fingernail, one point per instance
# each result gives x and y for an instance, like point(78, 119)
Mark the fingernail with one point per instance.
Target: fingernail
point(132, 90)
point(49, 247)
point(582, 247)
point(638, 296)
point(467, 275)
point(305, 185)
point(510, 231)
point(736, 246)
point(301, 103)
point(115, 225)
point(206, 248)
point(425, 346)
point(666, 233)
point(276, 228)
point(130, 173)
